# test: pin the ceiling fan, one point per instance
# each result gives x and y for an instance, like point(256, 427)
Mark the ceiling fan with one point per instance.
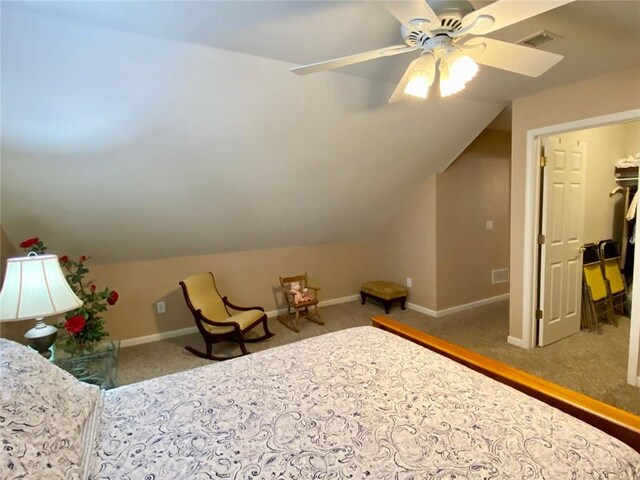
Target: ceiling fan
point(448, 41)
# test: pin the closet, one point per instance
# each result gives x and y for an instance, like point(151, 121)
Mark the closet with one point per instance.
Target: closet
point(588, 185)
point(608, 272)
point(626, 175)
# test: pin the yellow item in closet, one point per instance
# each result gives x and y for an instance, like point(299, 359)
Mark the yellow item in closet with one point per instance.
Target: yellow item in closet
point(595, 281)
point(613, 275)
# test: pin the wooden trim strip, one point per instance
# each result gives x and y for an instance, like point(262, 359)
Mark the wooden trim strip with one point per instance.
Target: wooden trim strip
point(614, 421)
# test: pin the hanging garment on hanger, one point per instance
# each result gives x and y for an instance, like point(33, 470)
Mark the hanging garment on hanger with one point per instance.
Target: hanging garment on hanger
point(630, 253)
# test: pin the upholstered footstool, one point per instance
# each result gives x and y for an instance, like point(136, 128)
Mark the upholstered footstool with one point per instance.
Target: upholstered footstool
point(385, 292)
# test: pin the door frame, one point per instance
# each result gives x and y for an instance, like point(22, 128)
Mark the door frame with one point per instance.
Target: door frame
point(531, 230)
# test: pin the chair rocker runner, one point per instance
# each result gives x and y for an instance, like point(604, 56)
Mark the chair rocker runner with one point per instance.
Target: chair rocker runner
point(308, 298)
point(211, 313)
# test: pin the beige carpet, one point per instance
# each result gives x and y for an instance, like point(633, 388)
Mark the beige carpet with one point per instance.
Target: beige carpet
point(592, 364)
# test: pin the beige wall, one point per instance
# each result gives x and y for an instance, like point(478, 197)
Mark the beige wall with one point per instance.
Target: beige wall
point(406, 247)
point(633, 137)
point(616, 92)
point(247, 278)
point(439, 238)
point(7, 250)
point(474, 189)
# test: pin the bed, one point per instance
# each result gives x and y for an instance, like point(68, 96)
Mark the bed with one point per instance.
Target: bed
point(358, 403)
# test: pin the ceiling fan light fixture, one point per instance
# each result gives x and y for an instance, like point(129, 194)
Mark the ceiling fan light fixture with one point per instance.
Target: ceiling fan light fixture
point(463, 69)
point(418, 85)
point(442, 35)
point(449, 84)
point(422, 76)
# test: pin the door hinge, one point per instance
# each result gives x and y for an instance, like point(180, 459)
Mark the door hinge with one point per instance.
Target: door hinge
point(538, 314)
point(541, 239)
point(543, 161)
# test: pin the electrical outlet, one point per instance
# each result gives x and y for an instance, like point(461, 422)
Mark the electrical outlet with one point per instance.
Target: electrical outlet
point(409, 282)
point(489, 224)
point(161, 307)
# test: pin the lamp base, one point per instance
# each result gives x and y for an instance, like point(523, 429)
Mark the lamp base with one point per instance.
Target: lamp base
point(41, 337)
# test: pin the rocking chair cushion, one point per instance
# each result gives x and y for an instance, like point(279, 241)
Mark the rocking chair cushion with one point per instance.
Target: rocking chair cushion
point(205, 298)
point(244, 319)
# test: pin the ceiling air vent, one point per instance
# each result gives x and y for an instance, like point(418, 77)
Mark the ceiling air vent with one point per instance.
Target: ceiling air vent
point(538, 39)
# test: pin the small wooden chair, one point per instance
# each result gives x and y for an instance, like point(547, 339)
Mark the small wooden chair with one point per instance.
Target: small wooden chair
point(310, 300)
point(215, 323)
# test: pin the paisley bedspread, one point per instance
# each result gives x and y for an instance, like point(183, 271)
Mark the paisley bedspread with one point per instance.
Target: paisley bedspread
point(355, 404)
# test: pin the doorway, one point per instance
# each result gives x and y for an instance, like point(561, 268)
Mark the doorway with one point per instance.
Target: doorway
point(534, 227)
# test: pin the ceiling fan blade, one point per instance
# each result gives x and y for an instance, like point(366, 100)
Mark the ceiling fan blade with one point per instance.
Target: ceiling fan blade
point(405, 11)
point(509, 56)
point(351, 59)
point(507, 12)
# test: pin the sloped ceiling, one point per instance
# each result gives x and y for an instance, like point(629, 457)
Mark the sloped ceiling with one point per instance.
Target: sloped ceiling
point(135, 130)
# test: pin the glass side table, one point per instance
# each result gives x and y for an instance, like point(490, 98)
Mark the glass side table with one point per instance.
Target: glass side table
point(96, 364)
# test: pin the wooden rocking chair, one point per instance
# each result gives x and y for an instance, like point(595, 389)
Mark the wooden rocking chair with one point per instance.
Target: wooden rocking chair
point(215, 323)
point(310, 299)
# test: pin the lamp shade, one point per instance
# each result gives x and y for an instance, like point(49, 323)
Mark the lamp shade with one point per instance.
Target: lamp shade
point(34, 287)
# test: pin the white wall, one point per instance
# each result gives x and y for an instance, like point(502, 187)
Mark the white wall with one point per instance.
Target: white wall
point(131, 147)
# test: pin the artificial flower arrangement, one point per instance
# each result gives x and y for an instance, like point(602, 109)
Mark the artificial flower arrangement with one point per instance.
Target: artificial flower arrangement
point(84, 325)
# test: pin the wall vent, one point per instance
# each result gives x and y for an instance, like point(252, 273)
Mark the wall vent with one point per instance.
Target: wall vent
point(500, 275)
point(538, 39)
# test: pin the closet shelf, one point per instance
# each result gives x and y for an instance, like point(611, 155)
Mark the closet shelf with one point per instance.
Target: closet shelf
point(626, 176)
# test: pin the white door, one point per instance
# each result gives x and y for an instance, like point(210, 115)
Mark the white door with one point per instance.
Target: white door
point(562, 225)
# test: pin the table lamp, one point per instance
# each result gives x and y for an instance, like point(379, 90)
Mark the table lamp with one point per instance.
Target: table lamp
point(34, 287)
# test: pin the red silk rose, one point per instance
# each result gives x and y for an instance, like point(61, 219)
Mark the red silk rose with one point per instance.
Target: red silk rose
point(113, 298)
point(75, 324)
point(63, 259)
point(29, 243)
point(93, 287)
point(83, 258)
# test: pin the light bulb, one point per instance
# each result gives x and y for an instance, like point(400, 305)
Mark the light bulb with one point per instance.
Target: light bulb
point(423, 71)
point(463, 69)
point(449, 84)
point(418, 85)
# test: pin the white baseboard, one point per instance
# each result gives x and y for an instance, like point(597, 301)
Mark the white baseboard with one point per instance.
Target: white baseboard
point(275, 313)
point(421, 309)
point(324, 303)
point(518, 342)
point(130, 342)
point(469, 306)
point(637, 382)
point(336, 301)
point(458, 308)
point(156, 337)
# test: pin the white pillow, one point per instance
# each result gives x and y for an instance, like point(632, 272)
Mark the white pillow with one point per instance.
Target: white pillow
point(43, 411)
